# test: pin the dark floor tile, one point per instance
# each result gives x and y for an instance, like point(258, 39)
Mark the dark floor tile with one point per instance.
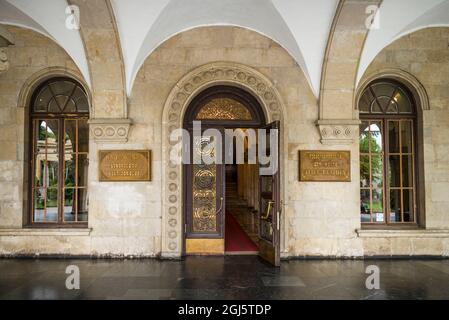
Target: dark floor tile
point(228, 278)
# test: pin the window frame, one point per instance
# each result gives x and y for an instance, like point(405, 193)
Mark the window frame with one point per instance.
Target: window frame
point(384, 118)
point(61, 117)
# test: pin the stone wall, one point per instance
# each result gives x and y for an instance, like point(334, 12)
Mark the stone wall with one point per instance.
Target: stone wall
point(319, 219)
point(119, 216)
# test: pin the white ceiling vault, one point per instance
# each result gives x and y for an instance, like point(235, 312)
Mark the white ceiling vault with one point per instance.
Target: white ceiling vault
point(300, 26)
point(399, 18)
point(48, 18)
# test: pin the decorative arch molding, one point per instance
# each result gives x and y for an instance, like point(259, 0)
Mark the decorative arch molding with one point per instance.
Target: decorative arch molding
point(201, 78)
point(410, 81)
point(39, 77)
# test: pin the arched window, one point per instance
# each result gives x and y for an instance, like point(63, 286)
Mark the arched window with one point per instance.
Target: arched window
point(59, 153)
point(388, 154)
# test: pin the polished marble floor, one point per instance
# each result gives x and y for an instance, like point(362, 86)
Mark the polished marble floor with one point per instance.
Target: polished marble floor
point(229, 277)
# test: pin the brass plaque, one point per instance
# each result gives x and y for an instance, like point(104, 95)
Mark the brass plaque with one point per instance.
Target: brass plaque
point(125, 165)
point(325, 166)
point(205, 246)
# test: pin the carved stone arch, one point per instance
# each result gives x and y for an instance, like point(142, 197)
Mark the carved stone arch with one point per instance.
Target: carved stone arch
point(407, 79)
point(201, 78)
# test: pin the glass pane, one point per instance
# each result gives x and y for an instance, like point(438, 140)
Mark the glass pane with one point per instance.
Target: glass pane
point(383, 90)
point(70, 136)
point(70, 106)
point(69, 170)
point(39, 203)
point(364, 132)
point(394, 173)
point(384, 103)
point(62, 101)
point(376, 137)
point(39, 170)
point(365, 206)
point(395, 206)
point(69, 204)
point(51, 212)
point(52, 128)
point(52, 171)
point(79, 97)
point(393, 139)
point(406, 136)
point(403, 101)
point(365, 102)
point(52, 204)
point(83, 105)
point(378, 206)
point(377, 171)
point(64, 88)
point(40, 136)
point(83, 136)
point(392, 107)
point(83, 204)
point(375, 107)
point(42, 100)
point(407, 172)
point(83, 166)
point(408, 206)
point(54, 106)
point(365, 172)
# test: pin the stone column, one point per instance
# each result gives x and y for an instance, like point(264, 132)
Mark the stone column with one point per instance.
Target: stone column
point(338, 119)
point(109, 115)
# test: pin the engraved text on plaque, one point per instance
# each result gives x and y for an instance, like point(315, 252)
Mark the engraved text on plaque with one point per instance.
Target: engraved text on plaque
point(125, 165)
point(325, 166)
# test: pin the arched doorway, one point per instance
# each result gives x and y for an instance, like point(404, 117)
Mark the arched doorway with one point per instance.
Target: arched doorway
point(230, 206)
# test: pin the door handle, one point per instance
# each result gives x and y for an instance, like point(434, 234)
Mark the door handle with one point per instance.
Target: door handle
point(267, 214)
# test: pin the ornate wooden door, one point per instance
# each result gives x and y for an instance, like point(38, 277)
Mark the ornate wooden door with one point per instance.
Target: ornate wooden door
point(270, 202)
point(204, 203)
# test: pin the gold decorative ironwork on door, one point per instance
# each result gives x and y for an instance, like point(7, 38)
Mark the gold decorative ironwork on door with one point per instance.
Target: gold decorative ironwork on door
point(204, 198)
point(206, 194)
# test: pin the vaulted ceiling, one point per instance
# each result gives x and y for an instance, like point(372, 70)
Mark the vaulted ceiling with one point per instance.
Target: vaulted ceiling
point(302, 27)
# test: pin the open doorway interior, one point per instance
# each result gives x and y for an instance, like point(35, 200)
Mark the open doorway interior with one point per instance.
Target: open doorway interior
point(242, 209)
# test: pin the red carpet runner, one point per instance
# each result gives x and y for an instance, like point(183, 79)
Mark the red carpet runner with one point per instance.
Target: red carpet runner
point(236, 240)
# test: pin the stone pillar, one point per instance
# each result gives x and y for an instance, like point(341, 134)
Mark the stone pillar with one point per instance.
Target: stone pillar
point(104, 55)
point(338, 124)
